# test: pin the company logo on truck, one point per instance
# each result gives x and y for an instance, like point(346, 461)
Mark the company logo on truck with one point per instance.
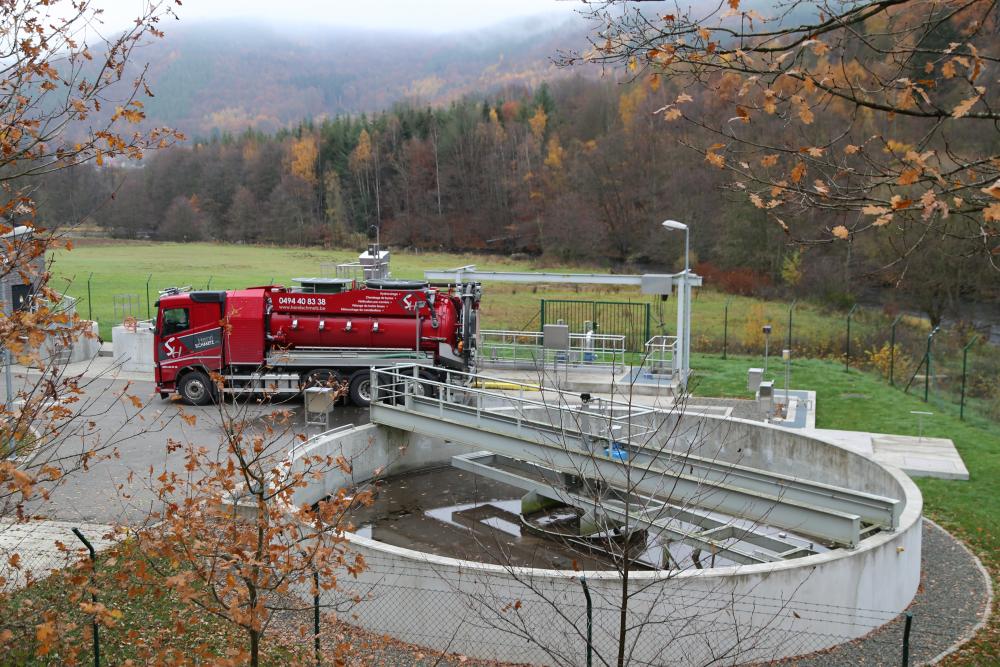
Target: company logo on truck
point(177, 346)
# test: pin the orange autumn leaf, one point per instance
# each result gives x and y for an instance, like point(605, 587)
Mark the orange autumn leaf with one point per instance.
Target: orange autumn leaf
point(841, 232)
point(798, 172)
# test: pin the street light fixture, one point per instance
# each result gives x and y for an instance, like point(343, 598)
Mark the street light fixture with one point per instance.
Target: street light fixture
point(685, 335)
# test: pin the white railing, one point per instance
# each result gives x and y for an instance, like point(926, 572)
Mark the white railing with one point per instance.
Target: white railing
point(661, 356)
point(499, 347)
point(522, 403)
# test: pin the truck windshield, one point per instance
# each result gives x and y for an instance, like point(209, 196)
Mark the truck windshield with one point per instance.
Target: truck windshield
point(175, 320)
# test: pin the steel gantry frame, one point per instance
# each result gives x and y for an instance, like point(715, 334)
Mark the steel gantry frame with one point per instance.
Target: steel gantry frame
point(660, 284)
point(508, 425)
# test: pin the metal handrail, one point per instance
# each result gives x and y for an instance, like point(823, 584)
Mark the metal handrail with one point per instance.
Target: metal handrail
point(401, 383)
point(500, 346)
point(661, 353)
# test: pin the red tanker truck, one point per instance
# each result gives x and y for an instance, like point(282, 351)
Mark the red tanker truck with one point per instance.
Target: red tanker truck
point(271, 339)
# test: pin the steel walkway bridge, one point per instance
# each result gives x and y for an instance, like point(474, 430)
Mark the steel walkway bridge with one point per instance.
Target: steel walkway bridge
point(612, 460)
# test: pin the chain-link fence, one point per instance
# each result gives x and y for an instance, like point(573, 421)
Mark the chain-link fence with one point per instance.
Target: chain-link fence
point(953, 367)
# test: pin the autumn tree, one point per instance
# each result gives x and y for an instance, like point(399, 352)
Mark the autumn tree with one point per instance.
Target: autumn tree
point(68, 96)
point(882, 115)
point(232, 541)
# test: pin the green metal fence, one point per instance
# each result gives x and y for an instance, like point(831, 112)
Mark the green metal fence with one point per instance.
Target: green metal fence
point(627, 318)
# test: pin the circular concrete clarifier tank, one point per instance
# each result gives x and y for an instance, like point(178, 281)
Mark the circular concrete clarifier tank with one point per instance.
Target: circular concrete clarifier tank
point(748, 613)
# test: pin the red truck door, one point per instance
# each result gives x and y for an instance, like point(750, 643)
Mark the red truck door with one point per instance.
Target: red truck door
point(190, 334)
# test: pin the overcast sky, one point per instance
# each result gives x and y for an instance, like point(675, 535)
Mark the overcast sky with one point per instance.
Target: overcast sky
point(415, 15)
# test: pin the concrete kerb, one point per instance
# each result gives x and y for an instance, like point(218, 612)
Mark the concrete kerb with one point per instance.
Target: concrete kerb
point(882, 573)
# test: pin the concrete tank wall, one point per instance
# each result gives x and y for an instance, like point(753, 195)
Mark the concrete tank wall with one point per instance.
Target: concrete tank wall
point(742, 613)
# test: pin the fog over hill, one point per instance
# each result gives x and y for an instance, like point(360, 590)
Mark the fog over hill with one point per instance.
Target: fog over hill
point(215, 77)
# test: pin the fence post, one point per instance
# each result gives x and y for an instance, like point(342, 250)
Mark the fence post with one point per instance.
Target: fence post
point(790, 309)
point(725, 327)
point(316, 617)
point(892, 351)
point(965, 367)
point(590, 622)
point(647, 332)
point(906, 639)
point(90, 301)
point(847, 355)
point(541, 312)
point(927, 364)
point(209, 285)
point(93, 596)
point(148, 312)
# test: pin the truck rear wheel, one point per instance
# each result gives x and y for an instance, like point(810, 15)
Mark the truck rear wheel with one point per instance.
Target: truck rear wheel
point(196, 388)
point(360, 389)
point(321, 377)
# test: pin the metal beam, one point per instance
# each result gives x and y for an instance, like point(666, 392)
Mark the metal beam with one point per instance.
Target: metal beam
point(521, 439)
point(472, 275)
point(655, 515)
point(875, 509)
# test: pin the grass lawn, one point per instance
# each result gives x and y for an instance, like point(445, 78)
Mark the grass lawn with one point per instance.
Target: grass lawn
point(860, 401)
point(121, 267)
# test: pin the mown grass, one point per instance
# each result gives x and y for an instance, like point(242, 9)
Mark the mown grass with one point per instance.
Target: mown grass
point(119, 267)
point(861, 401)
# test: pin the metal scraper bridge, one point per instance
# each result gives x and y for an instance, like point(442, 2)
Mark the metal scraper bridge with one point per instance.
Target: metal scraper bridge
point(627, 464)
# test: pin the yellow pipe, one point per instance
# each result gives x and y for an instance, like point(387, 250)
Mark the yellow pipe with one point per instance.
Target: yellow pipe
point(507, 386)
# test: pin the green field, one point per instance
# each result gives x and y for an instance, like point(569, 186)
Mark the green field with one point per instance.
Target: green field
point(116, 268)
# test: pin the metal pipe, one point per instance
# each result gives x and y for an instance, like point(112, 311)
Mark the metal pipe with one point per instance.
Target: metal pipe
point(9, 403)
point(965, 366)
point(847, 352)
point(148, 312)
point(93, 595)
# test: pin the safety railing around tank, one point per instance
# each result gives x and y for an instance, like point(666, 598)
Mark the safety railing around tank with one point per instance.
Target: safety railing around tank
point(661, 356)
point(525, 404)
point(497, 347)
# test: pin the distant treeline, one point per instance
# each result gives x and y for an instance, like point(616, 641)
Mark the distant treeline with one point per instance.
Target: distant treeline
point(579, 170)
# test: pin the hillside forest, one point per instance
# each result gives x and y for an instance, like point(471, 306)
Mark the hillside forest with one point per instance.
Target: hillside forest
point(580, 169)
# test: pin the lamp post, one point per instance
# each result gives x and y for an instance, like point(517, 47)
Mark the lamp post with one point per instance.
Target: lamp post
point(684, 308)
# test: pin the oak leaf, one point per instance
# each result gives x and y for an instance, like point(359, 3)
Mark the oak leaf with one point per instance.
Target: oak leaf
point(993, 190)
point(840, 232)
point(963, 107)
point(769, 160)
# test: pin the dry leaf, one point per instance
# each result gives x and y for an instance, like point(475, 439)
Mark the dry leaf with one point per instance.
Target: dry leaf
point(841, 232)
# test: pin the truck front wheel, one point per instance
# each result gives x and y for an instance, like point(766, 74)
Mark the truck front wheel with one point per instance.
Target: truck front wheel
point(360, 388)
point(196, 388)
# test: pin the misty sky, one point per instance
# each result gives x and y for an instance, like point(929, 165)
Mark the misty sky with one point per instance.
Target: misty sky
point(415, 15)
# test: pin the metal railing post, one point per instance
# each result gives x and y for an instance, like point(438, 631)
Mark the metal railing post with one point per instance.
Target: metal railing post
point(892, 351)
point(93, 595)
point(148, 311)
point(847, 352)
point(927, 363)
point(965, 368)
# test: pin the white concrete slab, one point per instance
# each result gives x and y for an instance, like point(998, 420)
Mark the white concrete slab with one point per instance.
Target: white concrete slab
point(38, 551)
point(920, 456)
point(917, 457)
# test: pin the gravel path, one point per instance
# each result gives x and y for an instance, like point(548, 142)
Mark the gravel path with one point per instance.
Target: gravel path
point(951, 600)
